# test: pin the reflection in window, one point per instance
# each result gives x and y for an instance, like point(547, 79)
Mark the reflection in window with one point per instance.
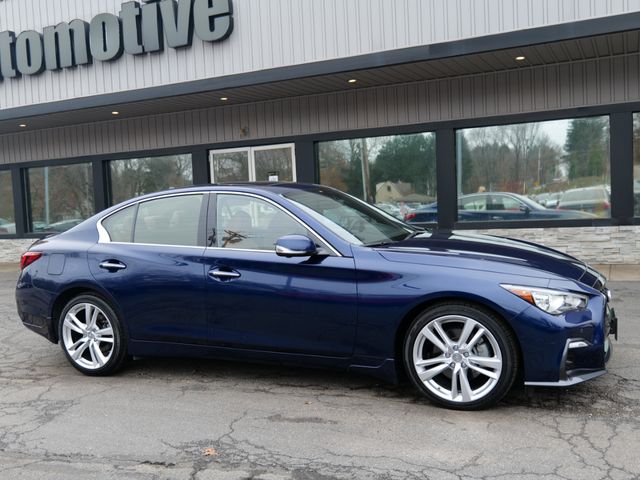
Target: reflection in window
point(535, 171)
point(59, 197)
point(274, 163)
point(250, 223)
point(396, 173)
point(7, 220)
point(137, 176)
point(636, 163)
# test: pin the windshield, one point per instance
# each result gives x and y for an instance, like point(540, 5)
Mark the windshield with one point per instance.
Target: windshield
point(351, 219)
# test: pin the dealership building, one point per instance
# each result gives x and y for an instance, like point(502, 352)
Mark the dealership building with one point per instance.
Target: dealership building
point(515, 117)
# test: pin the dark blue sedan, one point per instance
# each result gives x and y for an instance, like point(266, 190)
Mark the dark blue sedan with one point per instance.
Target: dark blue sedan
point(305, 274)
point(491, 206)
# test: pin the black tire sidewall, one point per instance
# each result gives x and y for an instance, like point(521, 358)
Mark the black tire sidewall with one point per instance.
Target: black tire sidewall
point(119, 338)
point(504, 337)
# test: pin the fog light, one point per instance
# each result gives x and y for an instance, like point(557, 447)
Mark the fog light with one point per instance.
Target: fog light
point(578, 344)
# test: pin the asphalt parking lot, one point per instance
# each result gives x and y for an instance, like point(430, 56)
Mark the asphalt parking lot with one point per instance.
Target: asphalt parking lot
point(204, 419)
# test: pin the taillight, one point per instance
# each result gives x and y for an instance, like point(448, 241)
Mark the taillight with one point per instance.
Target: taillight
point(28, 258)
point(409, 216)
point(606, 205)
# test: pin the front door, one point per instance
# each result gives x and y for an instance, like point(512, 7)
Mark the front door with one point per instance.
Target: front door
point(257, 299)
point(266, 163)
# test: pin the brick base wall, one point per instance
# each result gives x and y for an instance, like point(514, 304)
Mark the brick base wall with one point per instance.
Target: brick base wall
point(602, 245)
point(10, 250)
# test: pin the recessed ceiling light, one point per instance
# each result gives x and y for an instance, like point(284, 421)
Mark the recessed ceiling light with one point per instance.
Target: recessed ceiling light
point(520, 58)
point(352, 80)
point(224, 99)
point(23, 125)
point(115, 113)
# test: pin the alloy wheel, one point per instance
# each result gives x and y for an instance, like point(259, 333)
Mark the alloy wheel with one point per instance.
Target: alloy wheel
point(457, 358)
point(87, 335)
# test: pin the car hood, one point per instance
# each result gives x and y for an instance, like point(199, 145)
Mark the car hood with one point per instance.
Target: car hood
point(501, 250)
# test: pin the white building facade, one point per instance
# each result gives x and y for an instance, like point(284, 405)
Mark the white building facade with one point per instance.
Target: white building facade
point(515, 116)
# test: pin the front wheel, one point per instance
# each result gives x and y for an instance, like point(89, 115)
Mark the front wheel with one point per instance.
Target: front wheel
point(461, 356)
point(91, 336)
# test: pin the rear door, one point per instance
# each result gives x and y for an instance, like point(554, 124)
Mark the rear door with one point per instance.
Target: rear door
point(150, 260)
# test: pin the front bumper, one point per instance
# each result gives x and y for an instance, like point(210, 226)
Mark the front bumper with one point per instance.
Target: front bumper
point(583, 360)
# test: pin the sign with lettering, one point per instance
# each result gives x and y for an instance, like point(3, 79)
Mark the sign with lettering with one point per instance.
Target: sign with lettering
point(136, 30)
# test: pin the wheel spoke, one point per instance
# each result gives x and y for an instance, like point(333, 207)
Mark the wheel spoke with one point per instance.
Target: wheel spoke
point(491, 362)
point(469, 325)
point(96, 355)
point(431, 361)
point(438, 328)
point(105, 331)
point(483, 371)
point(94, 317)
point(70, 324)
point(105, 340)
point(80, 350)
point(475, 339)
point(432, 372)
point(454, 382)
point(464, 385)
point(435, 340)
point(76, 321)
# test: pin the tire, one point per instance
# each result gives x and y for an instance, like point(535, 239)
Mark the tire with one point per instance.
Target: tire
point(91, 336)
point(461, 356)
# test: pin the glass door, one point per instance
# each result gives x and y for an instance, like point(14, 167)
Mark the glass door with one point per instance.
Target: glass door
point(266, 163)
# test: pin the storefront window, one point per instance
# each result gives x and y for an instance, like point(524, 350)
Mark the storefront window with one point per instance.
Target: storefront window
point(137, 176)
point(636, 164)
point(7, 220)
point(396, 173)
point(555, 170)
point(59, 197)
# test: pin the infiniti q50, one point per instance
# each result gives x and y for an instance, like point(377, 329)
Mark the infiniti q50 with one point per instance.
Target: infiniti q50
point(305, 274)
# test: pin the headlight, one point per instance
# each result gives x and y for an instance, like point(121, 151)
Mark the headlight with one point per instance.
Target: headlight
point(555, 302)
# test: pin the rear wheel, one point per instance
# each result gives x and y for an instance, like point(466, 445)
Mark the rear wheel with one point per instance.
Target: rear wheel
point(460, 356)
point(91, 336)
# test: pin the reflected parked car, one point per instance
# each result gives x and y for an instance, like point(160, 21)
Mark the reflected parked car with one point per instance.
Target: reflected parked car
point(307, 275)
point(391, 209)
point(595, 200)
point(58, 226)
point(479, 207)
point(7, 227)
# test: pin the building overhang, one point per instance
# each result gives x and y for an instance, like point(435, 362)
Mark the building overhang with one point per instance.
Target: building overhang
point(612, 37)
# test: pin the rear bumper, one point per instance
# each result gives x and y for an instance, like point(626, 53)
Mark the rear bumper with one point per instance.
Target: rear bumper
point(33, 305)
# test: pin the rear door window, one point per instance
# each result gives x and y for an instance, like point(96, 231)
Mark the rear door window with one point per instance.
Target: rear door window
point(169, 221)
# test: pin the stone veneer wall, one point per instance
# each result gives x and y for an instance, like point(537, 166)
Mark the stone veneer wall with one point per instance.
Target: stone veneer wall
point(10, 250)
point(602, 245)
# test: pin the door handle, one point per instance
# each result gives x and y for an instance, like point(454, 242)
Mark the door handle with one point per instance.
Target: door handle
point(223, 274)
point(112, 265)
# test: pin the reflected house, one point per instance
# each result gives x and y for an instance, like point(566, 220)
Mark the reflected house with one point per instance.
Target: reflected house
point(396, 192)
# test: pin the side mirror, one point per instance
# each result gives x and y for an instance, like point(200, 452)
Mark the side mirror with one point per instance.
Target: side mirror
point(525, 209)
point(295, 246)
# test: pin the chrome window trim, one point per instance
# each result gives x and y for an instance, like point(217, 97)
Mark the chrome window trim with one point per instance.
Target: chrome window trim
point(268, 200)
point(103, 235)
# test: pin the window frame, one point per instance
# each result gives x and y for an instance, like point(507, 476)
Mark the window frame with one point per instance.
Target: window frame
point(104, 237)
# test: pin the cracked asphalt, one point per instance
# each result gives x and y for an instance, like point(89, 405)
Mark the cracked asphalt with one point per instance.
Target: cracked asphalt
point(205, 419)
